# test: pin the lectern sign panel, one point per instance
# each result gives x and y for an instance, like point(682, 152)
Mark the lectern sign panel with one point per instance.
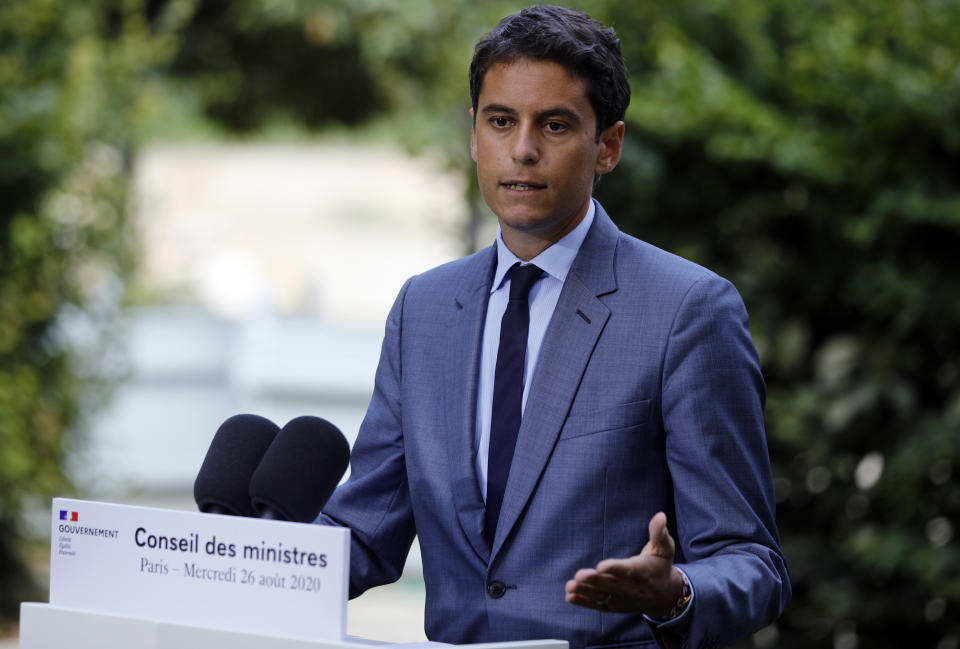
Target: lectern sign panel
point(242, 574)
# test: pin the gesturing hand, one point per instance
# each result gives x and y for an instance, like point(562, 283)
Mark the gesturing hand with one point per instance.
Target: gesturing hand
point(646, 583)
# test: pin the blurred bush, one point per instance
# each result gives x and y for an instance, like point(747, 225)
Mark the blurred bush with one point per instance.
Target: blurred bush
point(73, 78)
point(250, 63)
point(811, 153)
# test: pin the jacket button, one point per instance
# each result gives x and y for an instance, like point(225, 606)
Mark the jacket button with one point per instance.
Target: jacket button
point(496, 589)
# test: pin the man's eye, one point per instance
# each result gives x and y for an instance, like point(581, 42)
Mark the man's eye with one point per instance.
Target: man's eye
point(556, 127)
point(500, 122)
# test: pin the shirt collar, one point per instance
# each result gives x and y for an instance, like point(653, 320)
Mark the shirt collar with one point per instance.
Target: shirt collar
point(556, 260)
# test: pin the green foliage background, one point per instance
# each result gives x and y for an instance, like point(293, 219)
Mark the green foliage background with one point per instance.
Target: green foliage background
point(807, 151)
point(73, 78)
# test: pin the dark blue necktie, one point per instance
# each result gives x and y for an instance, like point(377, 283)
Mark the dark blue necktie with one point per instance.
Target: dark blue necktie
point(508, 389)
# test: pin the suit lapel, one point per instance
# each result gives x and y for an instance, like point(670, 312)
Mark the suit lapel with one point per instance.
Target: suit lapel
point(459, 387)
point(574, 329)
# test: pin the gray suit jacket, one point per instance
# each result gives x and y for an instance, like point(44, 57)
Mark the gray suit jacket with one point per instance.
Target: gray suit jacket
point(647, 397)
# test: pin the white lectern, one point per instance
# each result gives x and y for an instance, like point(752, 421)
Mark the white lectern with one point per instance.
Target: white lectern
point(44, 626)
point(125, 577)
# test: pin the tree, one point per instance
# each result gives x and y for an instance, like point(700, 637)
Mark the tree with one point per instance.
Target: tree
point(74, 77)
point(811, 153)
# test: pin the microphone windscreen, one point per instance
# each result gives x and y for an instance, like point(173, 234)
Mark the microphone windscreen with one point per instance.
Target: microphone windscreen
point(223, 483)
point(300, 470)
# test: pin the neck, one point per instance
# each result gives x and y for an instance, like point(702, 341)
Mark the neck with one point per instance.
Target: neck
point(525, 247)
point(528, 243)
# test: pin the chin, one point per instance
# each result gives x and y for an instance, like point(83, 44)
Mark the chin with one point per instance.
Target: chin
point(525, 219)
point(529, 225)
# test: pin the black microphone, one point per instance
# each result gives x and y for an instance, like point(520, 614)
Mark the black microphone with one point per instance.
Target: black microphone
point(223, 483)
point(300, 470)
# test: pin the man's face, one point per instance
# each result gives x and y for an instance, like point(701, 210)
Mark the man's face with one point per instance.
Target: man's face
point(535, 145)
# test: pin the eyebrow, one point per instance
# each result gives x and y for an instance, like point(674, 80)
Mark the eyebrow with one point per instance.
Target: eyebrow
point(543, 114)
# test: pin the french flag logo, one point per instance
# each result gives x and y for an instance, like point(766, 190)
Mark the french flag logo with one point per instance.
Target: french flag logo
point(73, 517)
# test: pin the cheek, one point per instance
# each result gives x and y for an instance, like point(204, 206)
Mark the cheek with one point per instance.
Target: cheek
point(487, 160)
point(581, 167)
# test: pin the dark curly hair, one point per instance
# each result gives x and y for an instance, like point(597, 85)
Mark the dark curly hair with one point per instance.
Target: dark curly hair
point(585, 47)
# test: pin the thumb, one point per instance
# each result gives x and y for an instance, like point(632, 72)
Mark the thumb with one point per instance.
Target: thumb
point(661, 544)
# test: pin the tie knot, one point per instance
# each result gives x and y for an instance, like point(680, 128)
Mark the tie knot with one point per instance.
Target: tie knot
point(522, 279)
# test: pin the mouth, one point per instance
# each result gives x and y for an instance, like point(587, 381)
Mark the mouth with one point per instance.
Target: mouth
point(523, 186)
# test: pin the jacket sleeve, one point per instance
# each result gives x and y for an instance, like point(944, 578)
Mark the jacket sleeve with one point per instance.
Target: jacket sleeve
point(375, 501)
point(713, 397)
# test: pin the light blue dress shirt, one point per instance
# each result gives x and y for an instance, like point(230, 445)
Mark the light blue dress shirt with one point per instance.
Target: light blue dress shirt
point(555, 261)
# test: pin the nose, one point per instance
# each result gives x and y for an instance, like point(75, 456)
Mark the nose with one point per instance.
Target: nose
point(526, 145)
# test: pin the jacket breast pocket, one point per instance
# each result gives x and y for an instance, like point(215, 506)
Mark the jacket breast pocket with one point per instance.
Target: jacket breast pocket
point(628, 415)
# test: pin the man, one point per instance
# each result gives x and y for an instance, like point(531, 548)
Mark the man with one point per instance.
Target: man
point(638, 383)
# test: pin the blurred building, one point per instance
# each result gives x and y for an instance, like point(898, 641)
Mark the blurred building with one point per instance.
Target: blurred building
point(269, 271)
point(190, 368)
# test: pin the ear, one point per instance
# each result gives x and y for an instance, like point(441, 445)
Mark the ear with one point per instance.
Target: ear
point(473, 136)
point(609, 147)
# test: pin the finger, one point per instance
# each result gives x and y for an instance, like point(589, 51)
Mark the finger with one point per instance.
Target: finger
point(574, 586)
point(605, 605)
point(574, 592)
point(656, 527)
point(601, 581)
point(620, 567)
point(585, 602)
point(661, 543)
point(598, 587)
point(637, 567)
point(583, 574)
point(589, 597)
point(640, 567)
point(591, 587)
